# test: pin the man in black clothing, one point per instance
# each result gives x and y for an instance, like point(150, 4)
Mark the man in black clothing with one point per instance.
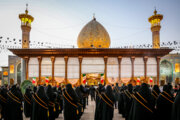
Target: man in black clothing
point(92, 93)
point(116, 92)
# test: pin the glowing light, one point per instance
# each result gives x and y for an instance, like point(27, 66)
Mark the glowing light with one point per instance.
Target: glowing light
point(177, 67)
point(11, 68)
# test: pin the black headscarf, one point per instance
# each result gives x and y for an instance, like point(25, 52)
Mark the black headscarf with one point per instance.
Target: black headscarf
point(41, 92)
point(145, 91)
point(35, 89)
point(109, 92)
point(130, 88)
point(156, 89)
point(166, 88)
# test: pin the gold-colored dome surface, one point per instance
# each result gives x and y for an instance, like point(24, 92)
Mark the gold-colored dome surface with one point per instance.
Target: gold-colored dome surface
point(93, 35)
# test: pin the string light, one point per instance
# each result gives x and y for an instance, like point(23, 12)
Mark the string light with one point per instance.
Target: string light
point(5, 44)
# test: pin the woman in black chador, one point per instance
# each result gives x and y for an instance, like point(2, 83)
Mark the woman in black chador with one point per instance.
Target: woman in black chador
point(3, 102)
point(80, 103)
point(108, 100)
point(60, 99)
point(164, 104)
point(57, 105)
point(155, 92)
point(176, 108)
point(28, 103)
point(98, 108)
point(51, 105)
point(40, 105)
point(121, 102)
point(143, 105)
point(70, 103)
point(127, 100)
point(14, 101)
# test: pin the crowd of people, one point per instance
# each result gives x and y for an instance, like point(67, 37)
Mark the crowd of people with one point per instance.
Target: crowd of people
point(141, 102)
point(149, 103)
point(42, 102)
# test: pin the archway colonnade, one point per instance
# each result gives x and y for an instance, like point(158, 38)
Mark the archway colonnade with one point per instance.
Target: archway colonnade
point(73, 67)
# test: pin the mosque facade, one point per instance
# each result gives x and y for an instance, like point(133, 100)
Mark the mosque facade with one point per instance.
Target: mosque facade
point(93, 62)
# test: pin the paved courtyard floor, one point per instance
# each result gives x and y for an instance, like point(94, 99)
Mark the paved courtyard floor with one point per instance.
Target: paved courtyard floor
point(90, 112)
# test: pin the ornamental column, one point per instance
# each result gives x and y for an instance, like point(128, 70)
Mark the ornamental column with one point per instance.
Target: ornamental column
point(80, 68)
point(132, 64)
point(119, 66)
point(53, 61)
point(145, 67)
point(66, 68)
point(158, 58)
point(39, 60)
point(105, 69)
point(27, 67)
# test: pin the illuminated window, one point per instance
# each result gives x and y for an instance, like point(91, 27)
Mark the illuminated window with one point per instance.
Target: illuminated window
point(5, 73)
point(177, 67)
point(11, 68)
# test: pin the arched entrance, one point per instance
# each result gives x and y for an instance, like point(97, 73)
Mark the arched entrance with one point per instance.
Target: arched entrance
point(166, 72)
point(19, 73)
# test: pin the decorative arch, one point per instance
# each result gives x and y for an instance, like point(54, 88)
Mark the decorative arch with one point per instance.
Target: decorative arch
point(166, 71)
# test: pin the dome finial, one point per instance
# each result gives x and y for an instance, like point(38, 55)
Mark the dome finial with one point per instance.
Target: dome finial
point(26, 8)
point(94, 18)
point(155, 11)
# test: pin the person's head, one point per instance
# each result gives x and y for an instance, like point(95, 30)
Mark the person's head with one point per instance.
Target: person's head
point(130, 87)
point(41, 91)
point(136, 88)
point(109, 89)
point(156, 89)
point(170, 86)
point(166, 88)
point(116, 84)
point(145, 91)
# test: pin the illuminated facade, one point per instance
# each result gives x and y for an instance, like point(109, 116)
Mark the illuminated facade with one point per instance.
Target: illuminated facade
point(170, 69)
point(93, 62)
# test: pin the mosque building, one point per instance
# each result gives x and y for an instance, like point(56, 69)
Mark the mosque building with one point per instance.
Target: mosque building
point(93, 62)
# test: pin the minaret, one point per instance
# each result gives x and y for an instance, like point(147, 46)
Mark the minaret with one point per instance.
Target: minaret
point(155, 21)
point(26, 21)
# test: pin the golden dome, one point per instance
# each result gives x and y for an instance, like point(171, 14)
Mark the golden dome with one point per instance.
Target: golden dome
point(93, 35)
